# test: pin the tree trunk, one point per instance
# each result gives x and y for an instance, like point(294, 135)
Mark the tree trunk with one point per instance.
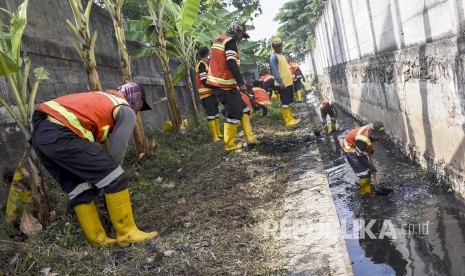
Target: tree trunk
point(94, 81)
point(173, 109)
point(140, 141)
point(191, 91)
point(44, 211)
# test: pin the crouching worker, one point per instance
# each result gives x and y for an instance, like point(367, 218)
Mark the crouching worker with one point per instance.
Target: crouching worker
point(259, 94)
point(64, 136)
point(327, 108)
point(358, 144)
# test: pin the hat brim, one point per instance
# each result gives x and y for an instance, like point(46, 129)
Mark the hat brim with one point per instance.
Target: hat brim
point(145, 106)
point(246, 35)
point(277, 45)
point(376, 134)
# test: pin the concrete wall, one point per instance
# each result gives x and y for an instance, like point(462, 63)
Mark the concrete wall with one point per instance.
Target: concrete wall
point(405, 66)
point(49, 43)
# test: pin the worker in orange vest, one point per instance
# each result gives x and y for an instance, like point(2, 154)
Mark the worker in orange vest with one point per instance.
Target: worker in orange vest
point(209, 101)
point(327, 108)
point(225, 77)
point(268, 84)
point(358, 144)
point(259, 94)
point(283, 77)
point(66, 136)
point(297, 77)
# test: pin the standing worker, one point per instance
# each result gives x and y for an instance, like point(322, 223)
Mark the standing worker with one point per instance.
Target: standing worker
point(327, 108)
point(224, 75)
point(64, 136)
point(358, 144)
point(209, 101)
point(283, 77)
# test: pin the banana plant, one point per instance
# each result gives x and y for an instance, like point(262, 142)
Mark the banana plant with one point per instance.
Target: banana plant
point(154, 28)
point(114, 8)
point(16, 70)
point(87, 41)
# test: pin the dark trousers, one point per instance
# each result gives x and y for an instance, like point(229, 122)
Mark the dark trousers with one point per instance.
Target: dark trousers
point(80, 167)
point(210, 104)
point(359, 164)
point(232, 102)
point(297, 85)
point(324, 115)
point(269, 86)
point(287, 96)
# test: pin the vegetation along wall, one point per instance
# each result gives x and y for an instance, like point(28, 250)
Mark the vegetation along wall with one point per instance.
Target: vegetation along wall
point(400, 62)
point(49, 43)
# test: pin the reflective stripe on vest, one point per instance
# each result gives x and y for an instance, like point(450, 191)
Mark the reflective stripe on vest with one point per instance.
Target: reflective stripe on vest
point(261, 96)
point(203, 90)
point(89, 115)
point(358, 137)
point(219, 74)
point(72, 119)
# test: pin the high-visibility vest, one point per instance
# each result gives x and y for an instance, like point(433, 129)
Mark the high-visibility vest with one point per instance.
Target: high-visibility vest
point(293, 68)
point(358, 134)
point(219, 74)
point(266, 78)
point(203, 90)
point(89, 115)
point(261, 96)
point(246, 100)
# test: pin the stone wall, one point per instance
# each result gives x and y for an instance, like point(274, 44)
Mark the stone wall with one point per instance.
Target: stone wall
point(49, 43)
point(400, 62)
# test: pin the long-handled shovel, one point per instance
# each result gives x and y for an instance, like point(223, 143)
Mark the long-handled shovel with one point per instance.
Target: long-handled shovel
point(379, 191)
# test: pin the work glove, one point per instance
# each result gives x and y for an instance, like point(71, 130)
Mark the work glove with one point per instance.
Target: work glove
point(373, 169)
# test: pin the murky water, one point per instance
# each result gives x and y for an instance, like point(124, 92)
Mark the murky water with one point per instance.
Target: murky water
point(418, 229)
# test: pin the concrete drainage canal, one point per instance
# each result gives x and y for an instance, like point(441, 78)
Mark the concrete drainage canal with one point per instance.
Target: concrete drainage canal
point(418, 229)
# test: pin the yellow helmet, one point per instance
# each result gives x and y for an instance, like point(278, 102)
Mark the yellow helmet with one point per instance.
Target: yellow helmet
point(275, 42)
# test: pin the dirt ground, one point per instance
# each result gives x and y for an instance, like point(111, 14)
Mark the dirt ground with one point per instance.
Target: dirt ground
point(207, 206)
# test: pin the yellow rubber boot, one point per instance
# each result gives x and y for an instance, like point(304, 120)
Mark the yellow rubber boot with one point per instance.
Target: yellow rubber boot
point(120, 210)
point(217, 128)
point(289, 119)
point(365, 188)
point(298, 95)
point(247, 127)
point(212, 126)
point(230, 133)
point(325, 130)
point(333, 126)
point(91, 226)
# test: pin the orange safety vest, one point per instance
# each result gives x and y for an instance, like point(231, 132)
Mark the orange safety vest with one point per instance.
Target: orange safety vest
point(358, 134)
point(89, 115)
point(266, 78)
point(219, 74)
point(261, 96)
point(293, 67)
point(203, 90)
point(246, 99)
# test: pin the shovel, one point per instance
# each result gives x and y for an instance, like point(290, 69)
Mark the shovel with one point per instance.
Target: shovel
point(379, 191)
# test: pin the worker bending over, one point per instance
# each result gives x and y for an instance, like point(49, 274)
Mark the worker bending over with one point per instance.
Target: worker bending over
point(327, 108)
point(66, 136)
point(358, 144)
